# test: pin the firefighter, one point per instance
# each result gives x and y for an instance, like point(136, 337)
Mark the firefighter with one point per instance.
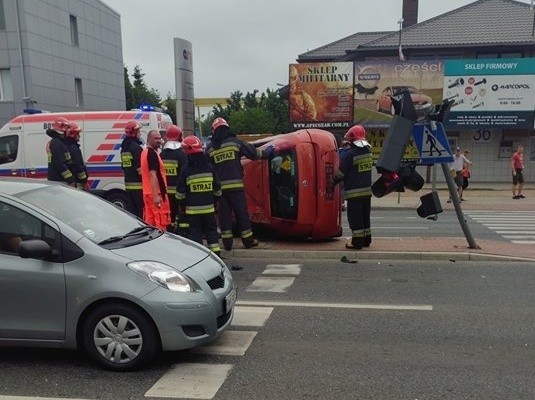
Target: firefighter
point(130, 161)
point(225, 152)
point(356, 172)
point(78, 167)
point(156, 210)
point(197, 192)
point(174, 159)
point(59, 158)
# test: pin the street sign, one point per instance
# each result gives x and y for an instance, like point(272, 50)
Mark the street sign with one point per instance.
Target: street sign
point(432, 145)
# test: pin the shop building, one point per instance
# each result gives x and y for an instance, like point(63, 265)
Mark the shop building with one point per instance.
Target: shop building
point(485, 29)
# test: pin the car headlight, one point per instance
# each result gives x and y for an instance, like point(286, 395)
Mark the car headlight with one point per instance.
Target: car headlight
point(162, 274)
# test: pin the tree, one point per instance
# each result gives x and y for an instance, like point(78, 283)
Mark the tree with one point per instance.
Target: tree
point(267, 113)
point(141, 94)
point(128, 91)
point(169, 105)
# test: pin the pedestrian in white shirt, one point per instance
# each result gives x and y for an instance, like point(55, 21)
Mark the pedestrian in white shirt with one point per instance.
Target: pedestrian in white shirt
point(459, 161)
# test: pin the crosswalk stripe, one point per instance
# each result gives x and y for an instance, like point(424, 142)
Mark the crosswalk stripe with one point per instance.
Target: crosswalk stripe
point(229, 343)
point(251, 316)
point(275, 284)
point(516, 226)
point(191, 381)
point(282, 269)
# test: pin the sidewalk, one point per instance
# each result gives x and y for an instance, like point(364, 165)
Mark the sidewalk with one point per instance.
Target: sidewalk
point(478, 197)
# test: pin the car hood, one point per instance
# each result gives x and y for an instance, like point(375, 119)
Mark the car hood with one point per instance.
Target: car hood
point(173, 250)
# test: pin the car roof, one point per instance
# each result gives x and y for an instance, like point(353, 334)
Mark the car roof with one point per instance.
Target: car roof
point(14, 186)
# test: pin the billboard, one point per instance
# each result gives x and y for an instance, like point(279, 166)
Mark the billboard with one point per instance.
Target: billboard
point(321, 95)
point(376, 81)
point(492, 93)
point(489, 93)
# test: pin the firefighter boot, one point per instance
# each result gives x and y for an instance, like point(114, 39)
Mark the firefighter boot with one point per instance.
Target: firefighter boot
point(250, 242)
point(227, 243)
point(356, 244)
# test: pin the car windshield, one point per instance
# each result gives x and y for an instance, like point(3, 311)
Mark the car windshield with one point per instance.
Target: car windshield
point(90, 215)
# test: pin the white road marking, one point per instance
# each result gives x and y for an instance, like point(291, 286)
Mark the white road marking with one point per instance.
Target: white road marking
point(37, 398)
point(191, 381)
point(523, 241)
point(275, 284)
point(282, 269)
point(335, 305)
point(400, 227)
point(251, 316)
point(229, 343)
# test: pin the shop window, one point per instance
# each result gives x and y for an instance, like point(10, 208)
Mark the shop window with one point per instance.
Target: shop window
point(531, 149)
point(9, 146)
point(283, 185)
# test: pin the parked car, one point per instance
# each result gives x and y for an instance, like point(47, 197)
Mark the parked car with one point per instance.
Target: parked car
point(292, 194)
point(79, 272)
point(419, 99)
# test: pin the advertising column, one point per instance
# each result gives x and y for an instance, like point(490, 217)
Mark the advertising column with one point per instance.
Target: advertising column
point(185, 110)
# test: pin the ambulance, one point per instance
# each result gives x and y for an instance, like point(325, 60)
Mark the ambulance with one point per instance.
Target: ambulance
point(23, 143)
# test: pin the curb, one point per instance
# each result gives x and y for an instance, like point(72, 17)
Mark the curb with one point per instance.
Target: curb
point(370, 255)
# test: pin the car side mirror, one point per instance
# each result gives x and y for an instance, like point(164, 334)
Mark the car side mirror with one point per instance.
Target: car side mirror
point(35, 248)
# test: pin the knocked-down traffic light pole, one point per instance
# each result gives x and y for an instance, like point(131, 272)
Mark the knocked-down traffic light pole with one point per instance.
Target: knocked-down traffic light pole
point(396, 175)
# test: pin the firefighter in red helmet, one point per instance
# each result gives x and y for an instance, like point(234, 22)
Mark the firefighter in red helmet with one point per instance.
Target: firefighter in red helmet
point(198, 192)
point(59, 157)
point(225, 152)
point(356, 172)
point(78, 167)
point(174, 159)
point(130, 161)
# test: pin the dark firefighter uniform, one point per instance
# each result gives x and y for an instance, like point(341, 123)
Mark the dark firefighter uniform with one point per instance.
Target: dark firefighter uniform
point(174, 159)
point(197, 192)
point(59, 159)
point(225, 152)
point(130, 161)
point(78, 166)
point(355, 171)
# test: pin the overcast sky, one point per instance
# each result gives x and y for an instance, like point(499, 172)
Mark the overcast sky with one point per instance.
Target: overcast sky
point(247, 44)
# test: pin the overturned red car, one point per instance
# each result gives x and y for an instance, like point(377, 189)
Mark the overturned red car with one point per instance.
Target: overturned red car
point(292, 194)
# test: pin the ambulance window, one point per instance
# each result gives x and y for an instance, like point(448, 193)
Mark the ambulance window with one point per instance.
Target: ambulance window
point(9, 146)
point(283, 185)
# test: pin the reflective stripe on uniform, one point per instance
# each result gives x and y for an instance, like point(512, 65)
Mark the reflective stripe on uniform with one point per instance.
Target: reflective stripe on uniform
point(197, 210)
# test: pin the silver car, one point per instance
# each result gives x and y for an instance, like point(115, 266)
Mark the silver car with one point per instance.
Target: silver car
point(78, 272)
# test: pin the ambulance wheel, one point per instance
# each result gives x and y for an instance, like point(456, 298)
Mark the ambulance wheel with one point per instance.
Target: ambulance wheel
point(119, 198)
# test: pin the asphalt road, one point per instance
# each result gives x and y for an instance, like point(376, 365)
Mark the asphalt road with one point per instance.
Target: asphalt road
point(335, 330)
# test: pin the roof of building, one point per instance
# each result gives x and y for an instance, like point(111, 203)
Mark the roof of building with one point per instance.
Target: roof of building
point(340, 47)
point(483, 23)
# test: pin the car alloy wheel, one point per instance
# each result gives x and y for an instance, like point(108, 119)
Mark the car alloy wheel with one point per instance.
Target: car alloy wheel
point(120, 337)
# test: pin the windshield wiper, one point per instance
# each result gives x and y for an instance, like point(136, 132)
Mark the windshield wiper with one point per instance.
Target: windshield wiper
point(133, 232)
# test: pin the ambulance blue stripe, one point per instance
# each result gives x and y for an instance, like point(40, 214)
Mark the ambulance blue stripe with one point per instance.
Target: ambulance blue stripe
point(138, 116)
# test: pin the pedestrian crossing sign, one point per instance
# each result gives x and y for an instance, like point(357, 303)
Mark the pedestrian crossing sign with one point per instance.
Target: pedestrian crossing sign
point(432, 144)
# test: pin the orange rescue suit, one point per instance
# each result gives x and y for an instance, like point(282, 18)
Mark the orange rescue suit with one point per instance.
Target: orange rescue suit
point(158, 216)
